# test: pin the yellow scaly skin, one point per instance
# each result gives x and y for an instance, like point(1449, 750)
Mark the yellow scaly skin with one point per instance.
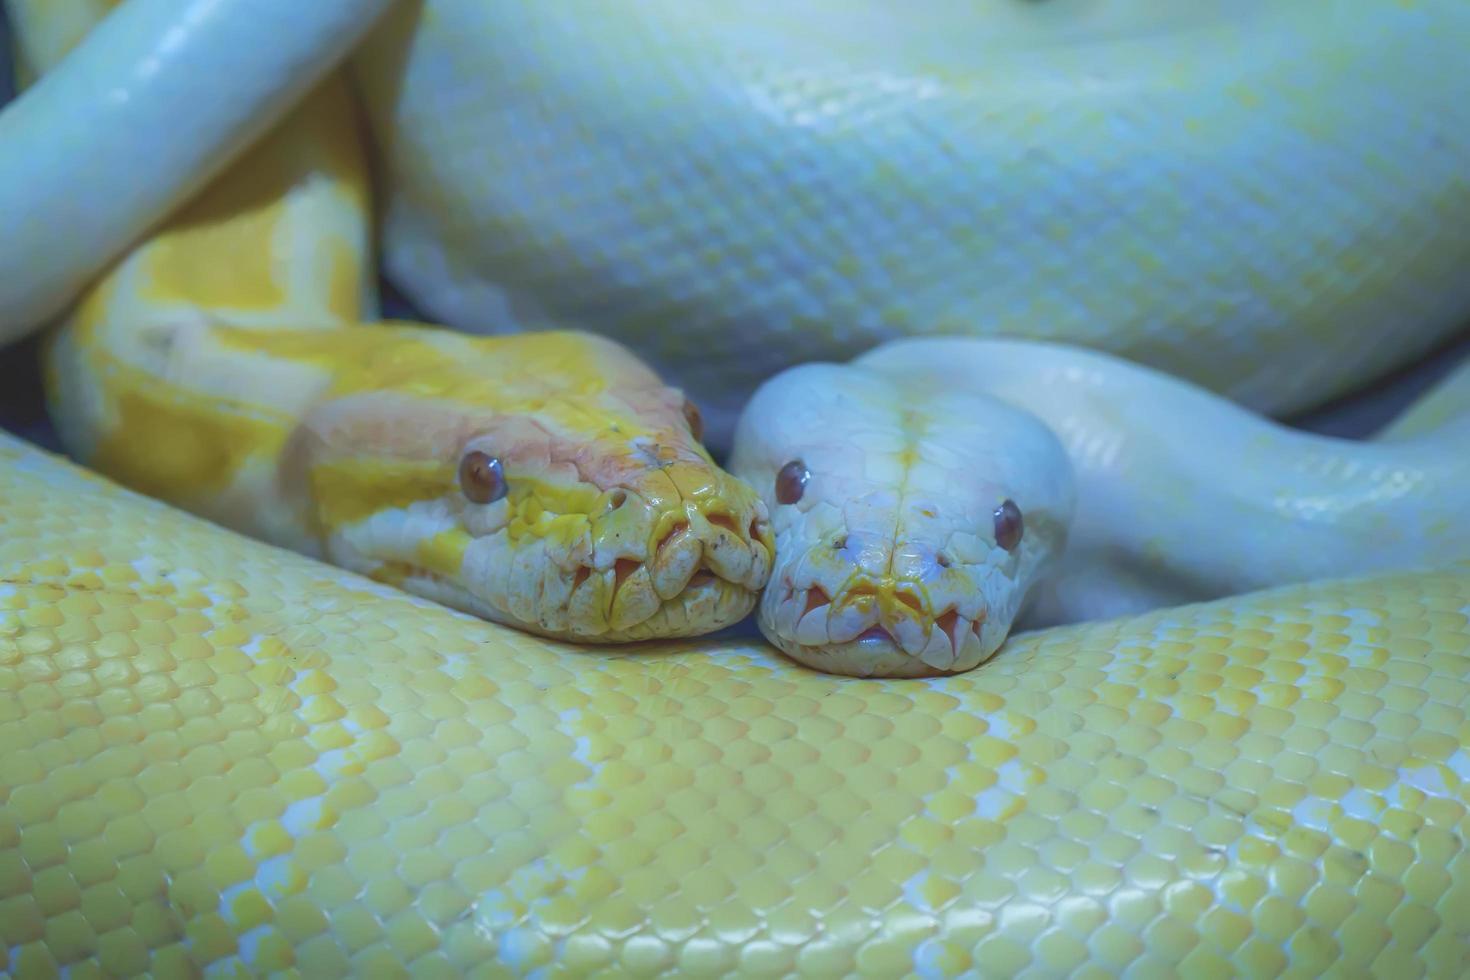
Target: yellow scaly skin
point(220, 367)
point(216, 755)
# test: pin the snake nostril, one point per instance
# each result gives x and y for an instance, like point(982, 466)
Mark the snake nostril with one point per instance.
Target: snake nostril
point(944, 560)
point(616, 499)
point(839, 542)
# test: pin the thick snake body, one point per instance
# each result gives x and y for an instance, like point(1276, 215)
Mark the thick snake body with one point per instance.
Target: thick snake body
point(214, 75)
point(222, 756)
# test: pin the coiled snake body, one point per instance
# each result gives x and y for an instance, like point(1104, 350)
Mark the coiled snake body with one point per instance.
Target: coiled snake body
point(218, 755)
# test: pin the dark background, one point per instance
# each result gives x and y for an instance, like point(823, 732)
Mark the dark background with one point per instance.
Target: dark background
point(22, 409)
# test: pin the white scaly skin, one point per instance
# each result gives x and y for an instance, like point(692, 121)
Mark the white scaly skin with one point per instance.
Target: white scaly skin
point(1181, 496)
point(888, 564)
point(1265, 197)
point(206, 78)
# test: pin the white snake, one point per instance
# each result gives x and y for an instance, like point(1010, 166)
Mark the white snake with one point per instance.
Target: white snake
point(1094, 172)
point(946, 484)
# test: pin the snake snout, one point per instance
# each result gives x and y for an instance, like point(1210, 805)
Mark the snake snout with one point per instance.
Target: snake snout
point(663, 561)
point(907, 618)
point(876, 629)
point(860, 601)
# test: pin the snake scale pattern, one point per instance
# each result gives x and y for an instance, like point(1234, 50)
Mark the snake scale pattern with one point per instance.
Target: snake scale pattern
point(331, 723)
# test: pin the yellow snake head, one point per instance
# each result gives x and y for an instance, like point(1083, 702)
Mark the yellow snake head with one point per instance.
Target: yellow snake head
point(911, 520)
point(550, 481)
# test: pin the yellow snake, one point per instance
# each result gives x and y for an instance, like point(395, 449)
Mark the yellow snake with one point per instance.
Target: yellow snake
point(547, 480)
point(218, 756)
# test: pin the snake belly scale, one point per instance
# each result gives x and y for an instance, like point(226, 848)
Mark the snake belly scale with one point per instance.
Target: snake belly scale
point(220, 756)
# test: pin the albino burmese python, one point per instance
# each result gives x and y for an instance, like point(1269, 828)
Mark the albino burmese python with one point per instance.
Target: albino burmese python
point(219, 755)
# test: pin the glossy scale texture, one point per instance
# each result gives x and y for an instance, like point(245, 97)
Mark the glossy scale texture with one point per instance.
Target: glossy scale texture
point(219, 755)
point(213, 75)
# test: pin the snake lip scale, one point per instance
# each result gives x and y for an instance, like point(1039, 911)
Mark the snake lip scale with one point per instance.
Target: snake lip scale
point(690, 572)
point(826, 638)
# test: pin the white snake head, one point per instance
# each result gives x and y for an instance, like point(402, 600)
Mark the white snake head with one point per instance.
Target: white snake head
point(910, 523)
point(549, 481)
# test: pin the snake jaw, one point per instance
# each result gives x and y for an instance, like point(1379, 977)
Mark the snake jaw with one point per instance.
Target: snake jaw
point(840, 618)
point(639, 570)
point(699, 550)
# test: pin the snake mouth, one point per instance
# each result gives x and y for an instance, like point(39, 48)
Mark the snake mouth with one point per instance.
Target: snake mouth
point(705, 602)
point(585, 564)
point(624, 569)
point(638, 600)
point(630, 571)
point(866, 631)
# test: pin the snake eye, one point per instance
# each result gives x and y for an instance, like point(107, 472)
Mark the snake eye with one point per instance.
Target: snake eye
point(695, 420)
point(1008, 525)
point(481, 478)
point(791, 482)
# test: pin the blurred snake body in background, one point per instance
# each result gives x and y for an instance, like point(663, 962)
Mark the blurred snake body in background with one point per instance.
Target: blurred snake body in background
point(1258, 197)
point(217, 755)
